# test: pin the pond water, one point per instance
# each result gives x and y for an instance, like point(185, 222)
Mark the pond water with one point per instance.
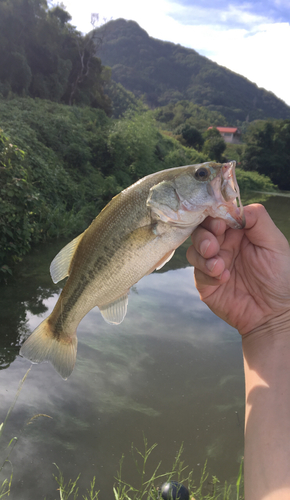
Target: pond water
point(172, 372)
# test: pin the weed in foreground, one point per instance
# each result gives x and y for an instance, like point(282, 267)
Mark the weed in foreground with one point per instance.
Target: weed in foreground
point(5, 487)
point(208, 489)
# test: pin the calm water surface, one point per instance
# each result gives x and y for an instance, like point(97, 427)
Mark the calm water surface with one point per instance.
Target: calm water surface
point(171, 370)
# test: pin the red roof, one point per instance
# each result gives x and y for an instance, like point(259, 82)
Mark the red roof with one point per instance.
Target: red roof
point(230, 130)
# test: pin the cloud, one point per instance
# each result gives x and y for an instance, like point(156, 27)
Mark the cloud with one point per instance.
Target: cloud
point(236, 11)
point(259, 55)
point(233, 16)
point(245, 37)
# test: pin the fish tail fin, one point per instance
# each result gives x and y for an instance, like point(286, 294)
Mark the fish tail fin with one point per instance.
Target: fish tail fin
point(44, 345)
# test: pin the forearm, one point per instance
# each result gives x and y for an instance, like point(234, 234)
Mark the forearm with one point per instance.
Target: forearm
point(267, 424)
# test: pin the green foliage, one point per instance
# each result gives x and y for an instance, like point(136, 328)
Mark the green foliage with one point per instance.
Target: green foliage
point(268, 151)
point(214, 145)
point(71, 162)
point(55, 188)
point(183, 113)
point(190, 135)
point(137, 149)
point(132, 143)
point(42, 55)
point(167, 73)
point(17, 203)
point(252, 181)
point(122, 100)
point(234, 152)
point(178, 156)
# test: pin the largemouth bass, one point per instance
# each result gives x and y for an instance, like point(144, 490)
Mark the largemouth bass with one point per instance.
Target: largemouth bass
point(136, 233)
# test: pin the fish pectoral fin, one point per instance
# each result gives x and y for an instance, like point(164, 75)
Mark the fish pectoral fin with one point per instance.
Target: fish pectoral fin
point(164, 260)
point(115, 312)
point(59, 268)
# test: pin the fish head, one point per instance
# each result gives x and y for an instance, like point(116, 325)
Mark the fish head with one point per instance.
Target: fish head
point(189, 194)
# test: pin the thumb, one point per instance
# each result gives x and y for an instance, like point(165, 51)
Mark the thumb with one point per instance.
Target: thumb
point(261, 230)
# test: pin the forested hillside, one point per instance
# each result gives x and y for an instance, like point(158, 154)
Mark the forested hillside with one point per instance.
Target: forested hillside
point(43, 55)
point(166, 73)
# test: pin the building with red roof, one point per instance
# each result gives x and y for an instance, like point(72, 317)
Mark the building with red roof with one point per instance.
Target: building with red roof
point(229, 134)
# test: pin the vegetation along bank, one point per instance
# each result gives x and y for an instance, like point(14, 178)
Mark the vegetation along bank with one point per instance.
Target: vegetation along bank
point(71, 137)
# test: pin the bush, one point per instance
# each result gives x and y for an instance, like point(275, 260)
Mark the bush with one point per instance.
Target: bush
point(268, 151)
point(17, 203)
point(192, 137)
point(214, 145)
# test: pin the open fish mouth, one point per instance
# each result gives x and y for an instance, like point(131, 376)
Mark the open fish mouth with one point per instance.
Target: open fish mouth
point(230, 196)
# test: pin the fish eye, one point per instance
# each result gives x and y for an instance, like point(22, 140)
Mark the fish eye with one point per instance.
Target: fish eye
point(202, 174)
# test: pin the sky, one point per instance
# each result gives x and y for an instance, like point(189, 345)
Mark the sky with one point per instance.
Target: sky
point(250, 38)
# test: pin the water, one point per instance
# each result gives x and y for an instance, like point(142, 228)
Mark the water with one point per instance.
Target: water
point(171, 370)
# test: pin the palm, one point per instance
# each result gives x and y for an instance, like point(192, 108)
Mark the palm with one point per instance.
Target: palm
point(257, 287)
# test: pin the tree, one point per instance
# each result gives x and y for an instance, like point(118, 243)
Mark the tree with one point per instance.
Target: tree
point(214, 145)
point(268, 151)
point(192, 137)
point(43, 55)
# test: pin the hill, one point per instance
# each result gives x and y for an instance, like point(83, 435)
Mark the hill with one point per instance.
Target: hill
point(164, 72)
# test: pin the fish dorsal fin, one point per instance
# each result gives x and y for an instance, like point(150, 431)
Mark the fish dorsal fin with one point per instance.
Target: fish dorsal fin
point(59, 268)
point(115, 312)
point(164, 260)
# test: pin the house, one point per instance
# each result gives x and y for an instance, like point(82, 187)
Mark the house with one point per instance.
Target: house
point(229, 134)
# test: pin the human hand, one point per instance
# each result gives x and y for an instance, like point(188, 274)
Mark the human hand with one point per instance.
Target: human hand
point(242, 275)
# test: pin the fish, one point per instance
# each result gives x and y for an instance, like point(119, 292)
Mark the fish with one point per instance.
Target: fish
point(136, 233)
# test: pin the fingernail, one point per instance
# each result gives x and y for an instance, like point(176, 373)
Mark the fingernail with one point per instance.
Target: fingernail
point(204, 246)
point(210, 264)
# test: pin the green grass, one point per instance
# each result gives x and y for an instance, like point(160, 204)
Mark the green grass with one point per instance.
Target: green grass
point(209, 488)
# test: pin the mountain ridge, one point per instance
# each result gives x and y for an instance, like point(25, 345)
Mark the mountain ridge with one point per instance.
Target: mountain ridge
point(165, 72)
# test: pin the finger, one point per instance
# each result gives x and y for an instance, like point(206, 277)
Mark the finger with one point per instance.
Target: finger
point(212, 267)
point(203, 280)
point(215, 226)
point(205, 243)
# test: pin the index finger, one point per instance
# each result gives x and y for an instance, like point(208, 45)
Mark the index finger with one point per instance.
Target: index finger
point(206, 236)
point(215, 226)
point(204, 242)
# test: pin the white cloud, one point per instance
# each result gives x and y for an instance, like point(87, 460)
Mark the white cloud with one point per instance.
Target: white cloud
point(258, 52)
point(261, 57)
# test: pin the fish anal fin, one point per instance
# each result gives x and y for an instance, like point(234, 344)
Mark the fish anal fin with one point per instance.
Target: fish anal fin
point(115, 312)
point(59, 268)
point(43, 345)
point(164, 260)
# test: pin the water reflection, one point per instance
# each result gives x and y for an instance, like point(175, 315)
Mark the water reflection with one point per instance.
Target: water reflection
point(24, 294)
point(171, 370)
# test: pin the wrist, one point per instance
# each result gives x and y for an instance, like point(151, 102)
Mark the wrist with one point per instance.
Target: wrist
point(269, 331)
point(267, 417)
point(266, 351)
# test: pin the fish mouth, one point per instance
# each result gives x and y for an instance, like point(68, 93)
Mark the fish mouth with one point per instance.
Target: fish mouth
point(227, 193)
